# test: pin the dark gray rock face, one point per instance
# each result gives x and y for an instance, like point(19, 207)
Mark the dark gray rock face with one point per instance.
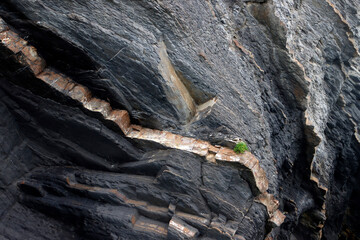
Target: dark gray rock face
point(282, 75)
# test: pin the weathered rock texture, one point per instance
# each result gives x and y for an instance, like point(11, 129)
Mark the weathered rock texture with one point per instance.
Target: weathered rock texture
point(118, 119)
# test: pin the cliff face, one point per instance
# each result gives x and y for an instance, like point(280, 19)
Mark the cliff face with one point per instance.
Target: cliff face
point(118, 119)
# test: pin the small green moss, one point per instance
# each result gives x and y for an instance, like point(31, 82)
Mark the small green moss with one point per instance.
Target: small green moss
point(240, 147)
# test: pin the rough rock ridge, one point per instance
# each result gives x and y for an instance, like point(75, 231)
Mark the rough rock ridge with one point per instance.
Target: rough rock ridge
point(282, 75)
point(246, 161)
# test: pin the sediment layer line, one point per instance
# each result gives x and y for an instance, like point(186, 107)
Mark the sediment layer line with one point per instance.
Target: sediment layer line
point(28, 56)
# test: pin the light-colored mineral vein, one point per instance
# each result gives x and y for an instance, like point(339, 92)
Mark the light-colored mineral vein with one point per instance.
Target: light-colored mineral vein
point(30, 58)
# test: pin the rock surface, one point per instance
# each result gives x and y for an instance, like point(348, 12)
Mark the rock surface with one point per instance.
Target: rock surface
point(281, 75)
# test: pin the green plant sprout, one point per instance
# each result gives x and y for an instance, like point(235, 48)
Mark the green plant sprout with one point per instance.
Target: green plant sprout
point(240, 147)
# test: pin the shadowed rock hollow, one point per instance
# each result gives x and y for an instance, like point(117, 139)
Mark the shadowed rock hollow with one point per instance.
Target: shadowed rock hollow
point(118, 119)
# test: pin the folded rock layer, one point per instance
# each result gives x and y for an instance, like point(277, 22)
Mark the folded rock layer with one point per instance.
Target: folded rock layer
point(118, 119)
point(246, 161)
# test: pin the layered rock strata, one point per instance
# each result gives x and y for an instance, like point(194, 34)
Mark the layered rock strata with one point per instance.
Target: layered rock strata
point(282, 75)
point(177, 229)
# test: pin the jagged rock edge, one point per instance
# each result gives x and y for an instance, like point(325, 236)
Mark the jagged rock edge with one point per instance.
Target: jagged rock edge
point(29, 57)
